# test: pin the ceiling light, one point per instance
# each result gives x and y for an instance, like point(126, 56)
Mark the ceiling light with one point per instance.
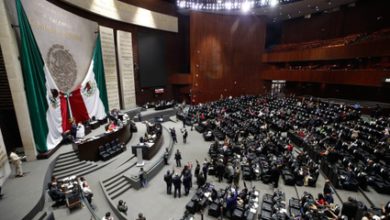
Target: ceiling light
point(228, 5)
point(245, 7)
point(273, 3)
point(182, 4)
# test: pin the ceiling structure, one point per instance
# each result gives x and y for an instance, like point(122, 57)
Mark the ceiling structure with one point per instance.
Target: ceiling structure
point(275, 10)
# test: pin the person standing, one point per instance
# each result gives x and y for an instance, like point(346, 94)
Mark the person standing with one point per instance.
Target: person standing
point(142, 177)
point(168, 181)
point(205, 169)
point(177, 184)
point(73, 129)
point(185, 135)
point(173, 134)
point(275, 176)
point(17, 162)
point(178, 158)
point(220, 171)
point(197, 168)
point(166, 155)
point(200, 180)
point(187, 182)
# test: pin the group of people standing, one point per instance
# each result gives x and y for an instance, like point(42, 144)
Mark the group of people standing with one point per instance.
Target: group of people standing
point(174, 135)
point(176, 179)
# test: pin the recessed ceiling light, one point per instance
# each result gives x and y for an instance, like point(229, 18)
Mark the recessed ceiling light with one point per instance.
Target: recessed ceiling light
point(273, 3)
point(228, 5)
point(182, 4)
point(245, 7)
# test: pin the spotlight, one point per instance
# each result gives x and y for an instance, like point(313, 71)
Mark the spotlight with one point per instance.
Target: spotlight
point(182, 4)
point(245, 7)
point(228, 5)
point(273, 3)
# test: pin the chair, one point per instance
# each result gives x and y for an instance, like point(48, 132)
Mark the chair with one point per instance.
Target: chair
point(109, 150)
point(103, 153)
point(73, 200)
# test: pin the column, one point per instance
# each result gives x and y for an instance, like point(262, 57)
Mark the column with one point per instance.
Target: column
point(10, 51)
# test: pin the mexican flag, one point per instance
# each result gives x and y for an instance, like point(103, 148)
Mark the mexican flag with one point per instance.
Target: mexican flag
point(49, 108)
point(93, 89)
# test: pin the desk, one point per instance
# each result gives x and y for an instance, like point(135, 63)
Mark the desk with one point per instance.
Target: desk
point(89, 149)
point(150, 149)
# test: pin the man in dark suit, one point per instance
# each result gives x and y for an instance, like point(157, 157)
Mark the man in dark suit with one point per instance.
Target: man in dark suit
point(178, 158)
point(168, 181)
point(177, 184)
point(187, 182)
point(185, 135)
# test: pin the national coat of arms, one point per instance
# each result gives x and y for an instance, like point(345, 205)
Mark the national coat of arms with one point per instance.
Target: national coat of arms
point(62, 67)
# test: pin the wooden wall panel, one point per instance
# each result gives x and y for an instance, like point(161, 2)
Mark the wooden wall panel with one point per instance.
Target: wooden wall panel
point(180, 79)
point(370, 49)
point(366, 16)
point(358, 77)
point(224, 52)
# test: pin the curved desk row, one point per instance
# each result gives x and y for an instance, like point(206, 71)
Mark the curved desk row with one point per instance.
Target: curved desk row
point(89, 149)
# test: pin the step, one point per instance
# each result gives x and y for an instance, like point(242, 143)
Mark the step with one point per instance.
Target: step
point(68, 155)
point(121, 192)
point(82, 172)
point(117, 186)
point(112, 180)
point(68, 166)
point(65, 163)
point(72, 169)
point(66, 160)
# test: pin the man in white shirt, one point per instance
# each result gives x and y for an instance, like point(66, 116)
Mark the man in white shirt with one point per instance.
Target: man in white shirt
point(80, 131)
point(17, 162)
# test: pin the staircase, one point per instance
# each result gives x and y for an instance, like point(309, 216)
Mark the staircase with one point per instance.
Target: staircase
point(69, 164)
point(117, 184)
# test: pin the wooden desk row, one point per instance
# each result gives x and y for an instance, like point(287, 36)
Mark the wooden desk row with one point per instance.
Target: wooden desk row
point(89, 149)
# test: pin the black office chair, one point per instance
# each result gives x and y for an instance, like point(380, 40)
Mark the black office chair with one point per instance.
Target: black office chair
point(104, 155)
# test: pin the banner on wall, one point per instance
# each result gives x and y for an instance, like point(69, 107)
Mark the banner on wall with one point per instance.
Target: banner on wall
point(50, 107)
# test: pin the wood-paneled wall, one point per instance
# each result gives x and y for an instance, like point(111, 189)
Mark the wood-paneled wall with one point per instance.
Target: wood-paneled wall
point(366, 16)
point(377, 48)
point(373, 78)
point(224, 55)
